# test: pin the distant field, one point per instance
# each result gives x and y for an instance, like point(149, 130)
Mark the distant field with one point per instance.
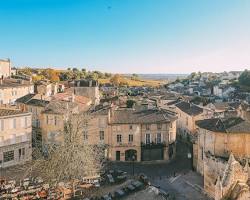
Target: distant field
point(137, 83)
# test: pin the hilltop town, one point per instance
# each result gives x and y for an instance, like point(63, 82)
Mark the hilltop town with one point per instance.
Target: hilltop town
point(120, 136)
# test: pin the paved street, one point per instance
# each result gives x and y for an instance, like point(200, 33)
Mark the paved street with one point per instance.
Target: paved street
point(175, 177)
point(181, 164)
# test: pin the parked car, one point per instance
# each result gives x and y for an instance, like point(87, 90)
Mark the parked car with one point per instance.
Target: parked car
point(110, 178)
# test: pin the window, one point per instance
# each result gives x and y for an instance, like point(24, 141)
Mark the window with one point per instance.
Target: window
point(148, 138)
point(130, 127)
point(147, 126)
point(14, 123)
point(47, 119)
point(159, 126)
point(187, 121)
point(101, 135)
point(55, 120)
point(26, 122)
point(8, 156)
point(37, 123)
point(85, 135)
point(119, 138)
point(158, 138)
point(2, 125)
point(130, 138)
point(21, 152)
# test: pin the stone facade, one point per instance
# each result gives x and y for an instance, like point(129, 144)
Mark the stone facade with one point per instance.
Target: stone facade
point(188, 114)
point(15, 137)
point(87, 88)
point(5, 68)
point(11, 90)
point(122, 139)
point(217, 140)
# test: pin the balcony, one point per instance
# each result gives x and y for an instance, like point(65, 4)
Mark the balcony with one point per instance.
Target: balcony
point(153, 145)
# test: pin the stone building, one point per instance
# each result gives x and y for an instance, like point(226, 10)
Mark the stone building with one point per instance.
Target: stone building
point(5, 68)
point(87, 88)
point(46, 88)
point(48, 113)
point(217, 139)
point(12, 89)
point(15, 137)
point(148, 134)
point(244, 111)
point(188, 114)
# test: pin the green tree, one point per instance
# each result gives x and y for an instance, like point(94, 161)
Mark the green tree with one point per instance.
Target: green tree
point(244, 78)
point(130, 103)
point(75, 70)
point(134, 77)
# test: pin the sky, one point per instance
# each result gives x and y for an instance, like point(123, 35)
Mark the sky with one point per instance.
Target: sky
point(127, 36)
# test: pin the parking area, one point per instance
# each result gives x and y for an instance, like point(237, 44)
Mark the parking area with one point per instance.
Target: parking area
point(183, 186)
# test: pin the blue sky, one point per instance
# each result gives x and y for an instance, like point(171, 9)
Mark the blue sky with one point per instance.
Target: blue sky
point(127, 36)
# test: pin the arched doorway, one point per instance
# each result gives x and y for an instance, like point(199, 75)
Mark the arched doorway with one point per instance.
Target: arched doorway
point(130, 155)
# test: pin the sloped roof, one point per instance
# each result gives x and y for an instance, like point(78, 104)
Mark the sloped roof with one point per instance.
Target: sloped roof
point(60, 107)
point(225, 125)
point(66, 96)
point(25, 98)
point(131, 116)
point(37, 102)
point(189, 108)
point(9, 112)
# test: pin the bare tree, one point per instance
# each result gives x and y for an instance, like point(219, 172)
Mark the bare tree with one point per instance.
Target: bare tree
point(69, 157)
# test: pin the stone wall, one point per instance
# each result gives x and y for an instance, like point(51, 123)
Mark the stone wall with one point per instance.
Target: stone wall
point(5, 68)
point(213, 167)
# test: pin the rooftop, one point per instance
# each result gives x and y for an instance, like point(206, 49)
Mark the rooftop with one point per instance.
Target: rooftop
point(9, 83)
point(37, 102)
point(225, 125)
point(60, 107)
point(9, 112)
point(25, 98)
point(131, 116)
point(189, 108)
